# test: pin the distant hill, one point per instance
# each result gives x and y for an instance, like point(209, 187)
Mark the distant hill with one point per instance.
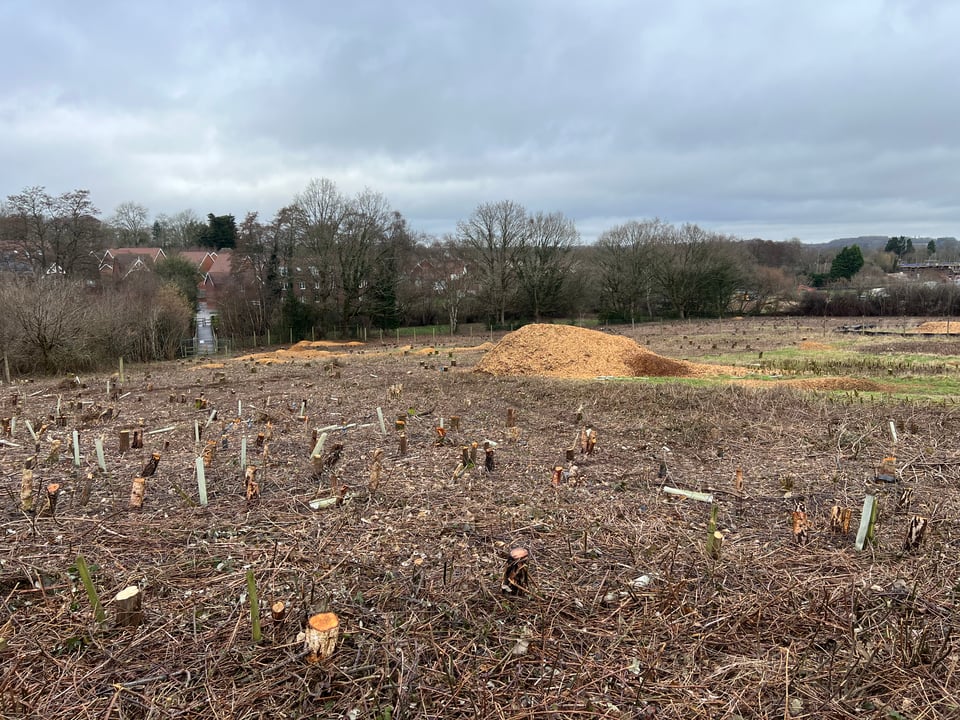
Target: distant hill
point(879, 242)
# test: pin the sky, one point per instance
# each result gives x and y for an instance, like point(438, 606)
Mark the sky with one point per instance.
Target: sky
point(813, 119)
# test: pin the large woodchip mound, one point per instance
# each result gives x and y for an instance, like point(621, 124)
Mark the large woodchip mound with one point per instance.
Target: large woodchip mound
point(573, 352)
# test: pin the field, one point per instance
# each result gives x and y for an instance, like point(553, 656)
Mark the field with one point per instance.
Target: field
point(625, 613)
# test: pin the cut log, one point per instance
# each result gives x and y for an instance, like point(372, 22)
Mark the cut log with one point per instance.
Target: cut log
point(129, 606)
point(320, 637)
point(516, 574)
point(137, 490)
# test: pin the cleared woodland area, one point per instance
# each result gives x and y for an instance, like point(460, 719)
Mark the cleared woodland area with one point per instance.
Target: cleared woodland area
point(618, 609)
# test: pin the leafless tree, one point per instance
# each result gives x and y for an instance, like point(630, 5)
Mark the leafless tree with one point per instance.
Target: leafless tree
point(129, 225)
point(496, 235)
point(56, 235)
point(545, 265)
point(180, 230)
point(624, 268)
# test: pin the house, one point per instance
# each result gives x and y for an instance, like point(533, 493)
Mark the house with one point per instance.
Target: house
point(216, 269)
point(118, 263)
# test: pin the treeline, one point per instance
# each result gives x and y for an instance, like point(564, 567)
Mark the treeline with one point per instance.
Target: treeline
point(332, 265)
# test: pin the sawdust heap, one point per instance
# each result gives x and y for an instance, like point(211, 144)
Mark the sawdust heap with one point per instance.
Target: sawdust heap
point(939, 326)
point(573, 352)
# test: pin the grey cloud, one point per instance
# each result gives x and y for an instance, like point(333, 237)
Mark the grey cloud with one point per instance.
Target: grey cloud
point(746, 116)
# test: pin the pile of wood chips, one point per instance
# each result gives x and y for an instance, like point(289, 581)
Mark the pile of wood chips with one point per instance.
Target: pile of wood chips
point(574, 352)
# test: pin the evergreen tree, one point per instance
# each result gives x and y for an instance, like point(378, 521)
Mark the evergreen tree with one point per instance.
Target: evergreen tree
point(847, 263)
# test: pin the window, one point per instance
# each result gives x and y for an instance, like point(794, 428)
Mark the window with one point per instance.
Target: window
point(303, 285)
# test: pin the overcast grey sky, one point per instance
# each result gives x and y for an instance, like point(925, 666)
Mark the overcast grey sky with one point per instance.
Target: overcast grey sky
point(814, 119)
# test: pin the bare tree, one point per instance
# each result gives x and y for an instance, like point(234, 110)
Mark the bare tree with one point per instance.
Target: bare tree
point(496, 235)
point(358, 249)
point(129, 224)
point(545, 265)
point(624, 268)
point(454, 285)
point(56, 235)
point(180, 230)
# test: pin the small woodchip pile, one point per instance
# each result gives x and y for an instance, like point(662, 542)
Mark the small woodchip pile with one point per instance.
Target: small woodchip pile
point(573, 352)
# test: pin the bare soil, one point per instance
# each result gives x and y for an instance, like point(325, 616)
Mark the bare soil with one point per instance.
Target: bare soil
point(625, 617)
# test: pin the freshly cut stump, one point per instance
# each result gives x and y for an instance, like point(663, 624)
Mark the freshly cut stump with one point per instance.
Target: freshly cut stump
point(128, 603)
point(321, 635)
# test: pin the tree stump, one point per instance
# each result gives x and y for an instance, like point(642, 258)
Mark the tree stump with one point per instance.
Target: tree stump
point(251, 486)
point(26, 490)
point(129, 607)
point(85, 490)
point(53, 492)
point(137, 442)
point(800, 524)
point(209, 453)
point(488, 459)
point(915, 533)
point(137, 490)
point(320, 637)
point(5, 425)
point(278, 612)
point(516, 574)
point(840, 519)
point(124, 440)
point(376, 468)
point(715, 544)
point(511, 417)
point(402, 445)
point(455, 423)
point(151, 466)
point(903, 502)
point(557, 474)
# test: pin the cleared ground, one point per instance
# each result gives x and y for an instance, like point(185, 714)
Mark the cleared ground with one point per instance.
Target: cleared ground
point(626, 615)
